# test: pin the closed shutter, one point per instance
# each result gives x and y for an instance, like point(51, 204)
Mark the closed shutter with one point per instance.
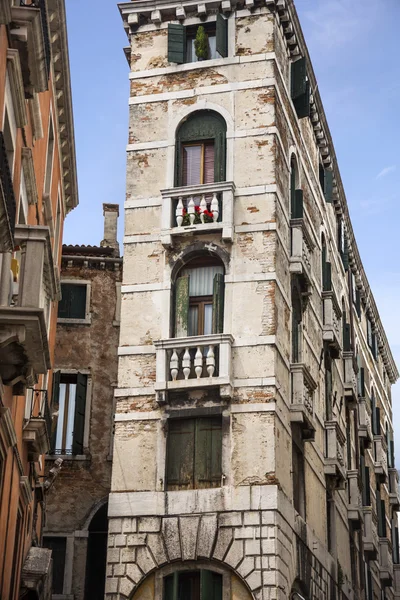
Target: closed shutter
point(358, 303)
point(391, 453)
point(210, 585)
point(365, 482)
point(297, 212)
point(180, 454)
point(181, 306)
point(300, 88)
point(362, 383)
point(220, 156)
point(209, 163)
point(395, 542)
point(171, 586)
point(176, 43)
point(328, 186)
point(218, 303)
point(381, 516)
point(345, 254)
point(376, 420)
point(222, 36)
point(54, 408)
point(327, 276)
point(208, 452)
point(346, 338)
point(79, 420)
point(73, 301)
point(374, 346)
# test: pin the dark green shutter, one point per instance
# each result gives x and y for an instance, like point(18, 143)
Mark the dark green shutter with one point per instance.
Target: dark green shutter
point(297, 211)
point(365, 483)
point(376, 419)
point(180, 453)
point(55, 402)
point(328, 186)
point(208, 452)
point(73, 301)
point(222, 36)
point(220, 156)
point(381, 516)
point(218, 303)
point(210, 585)
point(346, 338)
point(374, 347)
point(391, 453)
point(362, 382)
point(345, 254)
point(302, 103)
point(358, 303)
point(181, 306)
point(327, 276)
point(176, 43)
point(395, 543)
point(300, 88)
point(79, 420)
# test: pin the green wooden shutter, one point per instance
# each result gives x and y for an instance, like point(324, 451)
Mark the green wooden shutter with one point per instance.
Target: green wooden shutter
point(362, 382)
point(381, 516)
point(171, 586)
point(346, 338)
point(180, 454)
point(358, 303)
point(222, 36)
point(297, 212)
point(208, 452)
point(345, 254)
point(218, 303)
point(328, 186)
point(365, 482)
point(176, 43)
point(391, 453)
point(302, 103)
point(374, 347)
point(300, 88)
point(55, 401)
point(79, 420)
point(220, 156)
point(327, 276)
point(376, 419)
point(181, 306)
point(395, 543)
point(210, 585)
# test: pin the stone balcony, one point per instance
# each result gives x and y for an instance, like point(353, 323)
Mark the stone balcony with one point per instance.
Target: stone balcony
point(331, 322)
point(37, 425)
point(198, 209)
point(28, 288)
point(187, 363)
point(370, 534)
point(334, 467)
point(364, 422)
point(380, 458)
point(354, 509)
point(385, 562)
point(394, 490)
point(301, 250)
point(302, 405)
point(350, 379)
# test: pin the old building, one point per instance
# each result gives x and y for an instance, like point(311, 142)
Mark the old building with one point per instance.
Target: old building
point(253, 451)
point(37, 189)
point(85, 375)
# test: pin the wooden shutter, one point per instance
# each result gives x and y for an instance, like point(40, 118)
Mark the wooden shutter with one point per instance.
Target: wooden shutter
point(73, 301)
point(328, 186)
point(220, 156)
point(376, 419)
point(327, 276)
point(300, 88)
point(391, 453)
point(365, 483)
point(180, 454)
point(358, 303)
point(55, 401)
point(181, 306)
point(374, 347)
point(79, 420)
point(209, 163)
point(381, 516)
point(362, 382)
point(345, 254)
point(395, 543)
point(176, 43)
point(346, 338)
point(208, 452)
point(297, 211)
point(218, 303)
point(210, 585)
point(222, 36)
point(171, 586)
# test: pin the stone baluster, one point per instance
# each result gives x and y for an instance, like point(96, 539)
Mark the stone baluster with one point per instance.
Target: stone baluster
point(203, 208)
point(215, 207)
point(191, 210)
point(179, 212)
point(186, 363)
point(210, 361)
point(198, 362)
point(174, 365)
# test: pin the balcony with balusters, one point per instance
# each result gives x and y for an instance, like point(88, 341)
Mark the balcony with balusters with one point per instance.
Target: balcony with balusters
point(354, 509)
point(37, 424)
point(332, 314)
point(194, 362)
point(197, 209)
point(302, 404)
point(350, 379)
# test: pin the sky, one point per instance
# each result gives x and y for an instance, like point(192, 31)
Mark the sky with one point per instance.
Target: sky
point(353, 48)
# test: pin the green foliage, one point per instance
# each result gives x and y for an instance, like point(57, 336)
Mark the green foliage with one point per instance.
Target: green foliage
point(201, 43)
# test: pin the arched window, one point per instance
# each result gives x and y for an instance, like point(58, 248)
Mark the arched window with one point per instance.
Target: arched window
point(201, 149)
point(297, 316)
point(199, 298)
point(193, 585)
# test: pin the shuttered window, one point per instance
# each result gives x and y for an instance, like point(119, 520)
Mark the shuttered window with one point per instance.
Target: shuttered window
point(327, 276)
point(300, 88)
point(395, 543)
point(198, 164)
point(365, 482)
point(73, 301)
point(297, 316)
point(68, 406)
point(181, 41)
point(381, 511)
point(58, 546)
point(193, 585)
point(194, 449)
point(176, 43)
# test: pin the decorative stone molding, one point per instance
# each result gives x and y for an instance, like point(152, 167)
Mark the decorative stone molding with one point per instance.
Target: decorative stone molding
point(7, 427)
point(36, 115)
point(29, 174)
point(17, 86)
point(5, 13)
point(25, 490)
point(302, 406)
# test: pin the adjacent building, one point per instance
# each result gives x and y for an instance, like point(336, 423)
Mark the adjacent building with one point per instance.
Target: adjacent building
point(37, 189)
point(253, 452)
point(84, 379)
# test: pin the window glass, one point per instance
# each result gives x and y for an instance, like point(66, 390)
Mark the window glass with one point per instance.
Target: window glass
point(73, 301)
point(193, 585)
point(58, 545)
point(212, 48)
point(69, 402)
point(198, 164)
point(202, 279)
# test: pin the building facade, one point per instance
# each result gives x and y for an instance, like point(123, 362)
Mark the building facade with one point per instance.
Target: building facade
point(85, 376)
point(253, 450)
point(37, 189)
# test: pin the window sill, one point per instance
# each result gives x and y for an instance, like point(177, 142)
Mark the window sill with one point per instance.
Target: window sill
point(87, 321)
point(71, 457)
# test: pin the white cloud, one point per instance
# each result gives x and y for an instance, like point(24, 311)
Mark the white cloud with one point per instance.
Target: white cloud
point(386, 171)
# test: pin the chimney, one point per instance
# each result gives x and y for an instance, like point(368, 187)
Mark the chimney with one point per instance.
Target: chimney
point(111, 213)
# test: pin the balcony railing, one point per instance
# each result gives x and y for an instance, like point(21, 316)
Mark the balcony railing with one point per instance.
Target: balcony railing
point(364, 422)
point(334, 468)
point(370, 534)
point(394, 490)
point(301, 250)
point(350, 378)
point(8, 204)
point(37, 428)
point(198, 209)
point(302, 405)
point(192, 362)
point(354, 509)
point(332, 329)
point(385, 562)
point(380, 458)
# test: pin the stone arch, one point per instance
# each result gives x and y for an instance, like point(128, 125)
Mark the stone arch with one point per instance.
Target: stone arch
point(92, 512)
point(195, 250)
point(96, 555)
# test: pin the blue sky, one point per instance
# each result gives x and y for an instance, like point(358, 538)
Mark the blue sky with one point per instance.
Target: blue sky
point(353, 46)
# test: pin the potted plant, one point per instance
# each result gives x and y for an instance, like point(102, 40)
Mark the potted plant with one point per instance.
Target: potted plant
point(201, 43)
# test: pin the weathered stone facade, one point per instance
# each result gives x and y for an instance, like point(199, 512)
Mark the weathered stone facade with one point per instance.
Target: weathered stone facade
point(300, 360)
point(89, 348)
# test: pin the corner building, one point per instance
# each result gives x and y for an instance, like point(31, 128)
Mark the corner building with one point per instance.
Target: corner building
point(253, 451)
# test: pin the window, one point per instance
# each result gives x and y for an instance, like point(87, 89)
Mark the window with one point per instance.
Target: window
point(69, 404)
point(365, 482)
point(371, 339)
point(73, 303)
point(297, 316)
point(356, 295)
point(193, 585)
point(181, 41)
point(326, 183)
point(300, 88)
point(395, 542)
point(58, 545)
point(326, 267)
point(199, 298)
point(9, 142)
point(23, 202)
point(299, 483)
point(200, 149)
point(328, 387)
point(57, 232)
point(381, 512)
point(194, 448)
point(330, 521)
point(296, 195)
point(49, 159)
point(376, 415)
point(17, 551)
point(342, 242)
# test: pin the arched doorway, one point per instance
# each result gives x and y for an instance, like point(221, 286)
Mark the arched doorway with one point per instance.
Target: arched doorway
point(96, 557)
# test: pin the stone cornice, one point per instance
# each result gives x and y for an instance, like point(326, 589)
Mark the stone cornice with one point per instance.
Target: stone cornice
point(63, 100)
